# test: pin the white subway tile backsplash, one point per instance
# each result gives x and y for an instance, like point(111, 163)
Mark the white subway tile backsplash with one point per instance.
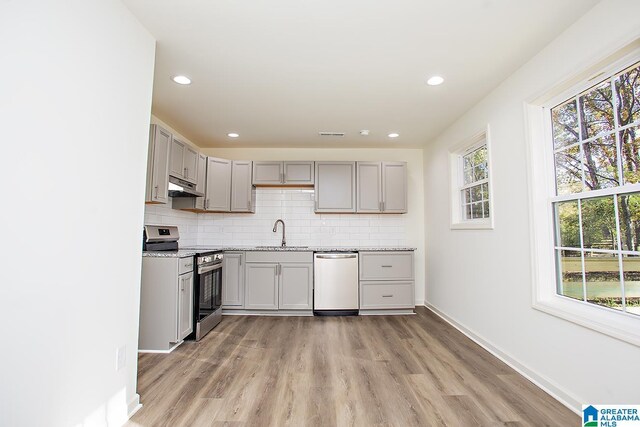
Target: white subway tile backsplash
point(295, 207)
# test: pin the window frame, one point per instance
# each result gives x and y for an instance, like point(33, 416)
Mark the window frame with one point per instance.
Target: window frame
point(542, 196)
point(458, 221)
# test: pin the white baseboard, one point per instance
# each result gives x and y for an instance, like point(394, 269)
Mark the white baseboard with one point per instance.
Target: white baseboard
point(176, 345)
point(550, 387)
point(133, 406)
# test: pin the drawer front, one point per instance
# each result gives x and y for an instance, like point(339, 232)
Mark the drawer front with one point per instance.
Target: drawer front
point(279, 256)
point(386, 265)
point(185, 265)
point(386, 295)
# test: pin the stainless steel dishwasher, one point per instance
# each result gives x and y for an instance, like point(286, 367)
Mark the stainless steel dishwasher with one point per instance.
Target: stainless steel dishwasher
point(335, 284)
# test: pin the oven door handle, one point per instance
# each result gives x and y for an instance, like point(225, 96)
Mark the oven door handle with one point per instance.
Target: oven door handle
point(202, 270)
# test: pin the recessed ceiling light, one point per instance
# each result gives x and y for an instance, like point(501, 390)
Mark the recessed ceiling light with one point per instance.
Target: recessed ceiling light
point(233, 135)
point(435, 81)
point(181, 80)
point(393, 135)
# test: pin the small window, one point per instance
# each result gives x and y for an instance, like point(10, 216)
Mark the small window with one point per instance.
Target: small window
point(470, 185)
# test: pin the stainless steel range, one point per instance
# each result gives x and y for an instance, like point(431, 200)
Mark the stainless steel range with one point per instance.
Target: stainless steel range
point(207, 286)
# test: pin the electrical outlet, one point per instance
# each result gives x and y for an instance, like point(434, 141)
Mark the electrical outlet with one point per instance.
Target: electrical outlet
point(121, 357)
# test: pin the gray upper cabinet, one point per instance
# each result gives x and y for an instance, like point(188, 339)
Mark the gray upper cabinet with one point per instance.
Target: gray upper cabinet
point(183, 161)
point(382, 187)
point(394, 187)
point(296, 286)
point(243, 195)
point(176, 158)
point(261, 286)
point(190, 165)
point(233, 280)
point(290, 173)
point(268, 173)
point(369, 187)
point(335, 189)
point(158, 165)
point(298, 173)
point(201, 182)
point(218, 192)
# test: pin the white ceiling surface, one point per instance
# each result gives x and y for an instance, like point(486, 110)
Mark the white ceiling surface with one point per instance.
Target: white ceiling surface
point(279, 71)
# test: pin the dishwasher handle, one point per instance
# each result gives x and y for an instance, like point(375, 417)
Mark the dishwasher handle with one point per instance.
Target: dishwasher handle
point(336, 256)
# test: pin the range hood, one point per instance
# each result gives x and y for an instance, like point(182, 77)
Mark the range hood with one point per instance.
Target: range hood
point(182, 188)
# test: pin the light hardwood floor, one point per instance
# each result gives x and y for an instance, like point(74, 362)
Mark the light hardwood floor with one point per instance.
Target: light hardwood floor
point(338, 371)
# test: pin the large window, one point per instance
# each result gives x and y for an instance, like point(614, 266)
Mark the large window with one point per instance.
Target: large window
point(596, 149)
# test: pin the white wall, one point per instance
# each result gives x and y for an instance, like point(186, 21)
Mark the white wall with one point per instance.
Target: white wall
point(482, 279)
point(76, 83)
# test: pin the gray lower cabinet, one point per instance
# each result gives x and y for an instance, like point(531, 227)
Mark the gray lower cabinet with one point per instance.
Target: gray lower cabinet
point(278, 281)
point(233, 280)
point(382, 187)
point(158, 165)
point(243, 193)
point(386, 281)
point(185, 304)
point(335, 188)
point(296, 287)
point(261, 286)
point(166, 302)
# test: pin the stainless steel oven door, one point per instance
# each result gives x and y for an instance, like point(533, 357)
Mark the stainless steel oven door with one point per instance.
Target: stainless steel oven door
point(210, 281)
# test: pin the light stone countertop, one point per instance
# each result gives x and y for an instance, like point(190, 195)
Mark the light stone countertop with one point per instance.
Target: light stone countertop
point(190, 251)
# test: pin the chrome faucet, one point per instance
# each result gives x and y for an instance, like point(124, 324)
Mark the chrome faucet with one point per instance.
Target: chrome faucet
point(275, 228)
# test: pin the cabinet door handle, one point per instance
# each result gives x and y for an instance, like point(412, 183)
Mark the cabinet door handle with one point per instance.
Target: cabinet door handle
point(281, 178)
point(188, 265)
point(387, 296)
point(206, 204)
point(387, 266)
point(382, 206)
point(156, 191)
point(249, 204)
point(185, 171)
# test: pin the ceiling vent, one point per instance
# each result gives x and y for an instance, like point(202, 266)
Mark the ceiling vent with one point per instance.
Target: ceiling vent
point(331, 134)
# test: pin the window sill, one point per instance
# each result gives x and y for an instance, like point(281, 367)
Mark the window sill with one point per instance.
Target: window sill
point(486, 224)
point(616, 325)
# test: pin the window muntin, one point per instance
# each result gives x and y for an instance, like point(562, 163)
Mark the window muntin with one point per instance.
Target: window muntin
point(596, 141)
point(474, 191)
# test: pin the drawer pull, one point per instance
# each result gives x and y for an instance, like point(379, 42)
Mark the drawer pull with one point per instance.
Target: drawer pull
point(387, 266)
point(387, 296)
point(188, 265)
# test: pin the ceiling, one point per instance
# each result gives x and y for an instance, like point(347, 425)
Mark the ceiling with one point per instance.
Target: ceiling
point(278, 72)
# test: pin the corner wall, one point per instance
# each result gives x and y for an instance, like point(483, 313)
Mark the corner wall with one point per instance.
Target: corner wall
point(481, 279)
point(75, 106)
